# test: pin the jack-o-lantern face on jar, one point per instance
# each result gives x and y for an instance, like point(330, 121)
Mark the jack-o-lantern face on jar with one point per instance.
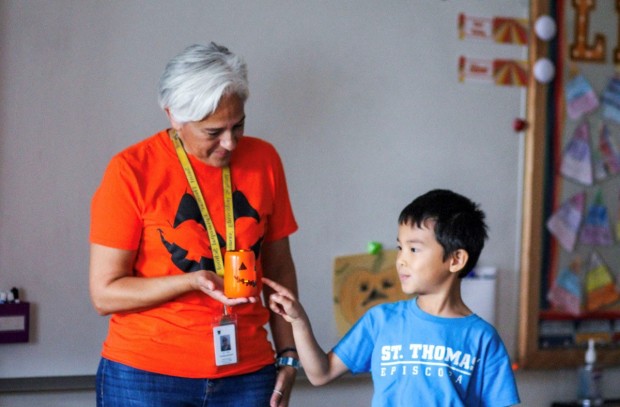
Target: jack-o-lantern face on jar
point(240, 278)
point(362, 289)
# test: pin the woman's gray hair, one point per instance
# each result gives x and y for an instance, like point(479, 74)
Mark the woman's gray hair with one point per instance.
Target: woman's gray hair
point(194, 81)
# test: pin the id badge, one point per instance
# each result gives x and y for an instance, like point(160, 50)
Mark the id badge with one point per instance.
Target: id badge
point(225, 342)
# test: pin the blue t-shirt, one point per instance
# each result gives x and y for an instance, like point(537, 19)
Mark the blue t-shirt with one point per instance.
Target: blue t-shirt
point(418, 359)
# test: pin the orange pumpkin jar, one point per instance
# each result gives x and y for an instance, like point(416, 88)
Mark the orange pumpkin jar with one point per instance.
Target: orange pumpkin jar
point(240, 278)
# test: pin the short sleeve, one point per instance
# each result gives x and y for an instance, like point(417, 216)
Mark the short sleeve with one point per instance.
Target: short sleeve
point(282, 221)
point(356, 346)
point(115, 208)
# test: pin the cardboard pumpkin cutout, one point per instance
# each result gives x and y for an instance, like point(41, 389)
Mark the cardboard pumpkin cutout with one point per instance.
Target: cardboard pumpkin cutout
point(362, 281)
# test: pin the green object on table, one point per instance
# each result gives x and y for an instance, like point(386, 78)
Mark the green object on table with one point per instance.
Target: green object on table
point(374, 247)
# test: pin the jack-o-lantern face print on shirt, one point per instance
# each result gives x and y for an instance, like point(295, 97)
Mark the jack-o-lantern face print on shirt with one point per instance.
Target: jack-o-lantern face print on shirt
point(187, 241)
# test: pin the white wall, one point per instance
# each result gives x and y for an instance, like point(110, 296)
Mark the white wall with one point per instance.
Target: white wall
point(360, 97)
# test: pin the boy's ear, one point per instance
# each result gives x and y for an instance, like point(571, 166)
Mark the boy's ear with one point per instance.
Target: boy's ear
point(458, 259)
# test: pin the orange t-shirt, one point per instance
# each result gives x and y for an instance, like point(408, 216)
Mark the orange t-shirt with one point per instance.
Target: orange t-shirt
point(144, 203)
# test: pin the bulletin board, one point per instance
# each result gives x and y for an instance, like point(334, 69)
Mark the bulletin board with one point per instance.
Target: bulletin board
point(570, 265)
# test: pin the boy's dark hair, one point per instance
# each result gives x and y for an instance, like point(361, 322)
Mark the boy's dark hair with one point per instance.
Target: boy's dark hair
point(459, 223)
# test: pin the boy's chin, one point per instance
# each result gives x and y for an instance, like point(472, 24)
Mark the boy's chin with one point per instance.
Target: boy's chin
point(408, 290)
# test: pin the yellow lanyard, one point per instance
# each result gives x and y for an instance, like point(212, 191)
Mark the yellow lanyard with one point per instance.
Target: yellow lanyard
point(228, 206)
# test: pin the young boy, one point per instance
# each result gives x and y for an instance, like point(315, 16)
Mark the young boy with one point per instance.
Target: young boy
point(430, 350)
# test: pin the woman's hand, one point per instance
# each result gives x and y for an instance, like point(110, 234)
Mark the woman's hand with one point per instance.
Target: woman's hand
point(283, 387)
point(114, 288)
point(213, 285)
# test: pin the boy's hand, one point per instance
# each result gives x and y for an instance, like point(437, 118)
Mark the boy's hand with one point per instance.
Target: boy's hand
point(284, 303)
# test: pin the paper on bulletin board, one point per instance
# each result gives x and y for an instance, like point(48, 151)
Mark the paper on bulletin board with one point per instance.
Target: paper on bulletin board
point(504, 30)
point(501, 72)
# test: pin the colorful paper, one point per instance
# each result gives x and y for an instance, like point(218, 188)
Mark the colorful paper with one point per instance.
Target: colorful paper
point(580, 97)
point(618, 219)
point(566, 293)
point(475, 27)
point(596, 230)
point(577, 158)
point(510, 72)
point(565, 222)
point(504, 30)
point(610, 100)
point(507, 30)
point(609, 151)
point(504, 72)
point(598, 166)
point(599, 284)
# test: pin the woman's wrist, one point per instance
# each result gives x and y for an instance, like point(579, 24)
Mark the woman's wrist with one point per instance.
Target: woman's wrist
point(287, 361)
point(287, 357)
point(287, 351)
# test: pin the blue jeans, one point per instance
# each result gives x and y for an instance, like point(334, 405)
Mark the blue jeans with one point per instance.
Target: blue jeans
point(119, 385)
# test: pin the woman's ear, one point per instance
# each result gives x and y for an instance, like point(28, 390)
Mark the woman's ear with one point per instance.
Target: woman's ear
point(173, 123)
point(458, 259)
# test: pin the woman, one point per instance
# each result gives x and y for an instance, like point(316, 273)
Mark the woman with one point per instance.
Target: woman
point(155, 260)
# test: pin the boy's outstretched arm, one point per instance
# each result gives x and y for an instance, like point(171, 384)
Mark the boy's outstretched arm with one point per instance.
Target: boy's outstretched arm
point(321, 368)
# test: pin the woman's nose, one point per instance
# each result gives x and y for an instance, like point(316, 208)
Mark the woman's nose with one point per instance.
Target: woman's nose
point(228, 141)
